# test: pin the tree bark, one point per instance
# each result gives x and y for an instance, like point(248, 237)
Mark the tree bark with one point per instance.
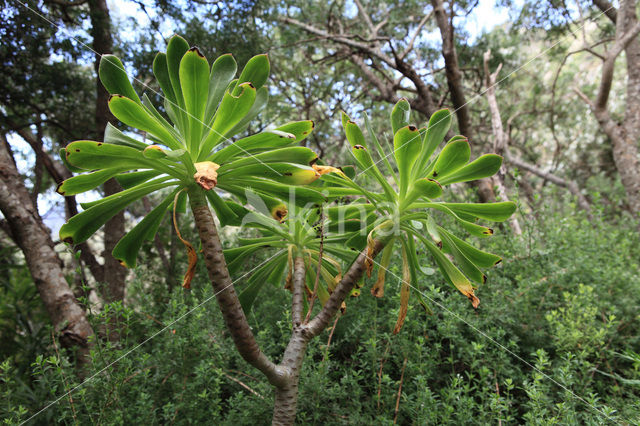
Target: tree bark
point(624, 135)
point(454, 81)
point(499, 137)
point(34, 239)
point(114, 228)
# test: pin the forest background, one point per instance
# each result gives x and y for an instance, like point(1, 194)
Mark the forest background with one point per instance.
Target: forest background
point(552, 86)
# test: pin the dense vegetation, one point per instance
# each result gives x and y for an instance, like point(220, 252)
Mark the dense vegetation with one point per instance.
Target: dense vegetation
point(556, 338)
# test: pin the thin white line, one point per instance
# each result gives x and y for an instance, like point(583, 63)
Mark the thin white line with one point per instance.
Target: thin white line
point(147, 87)
point(500, 345)
point(475, 97)
point(148, 339)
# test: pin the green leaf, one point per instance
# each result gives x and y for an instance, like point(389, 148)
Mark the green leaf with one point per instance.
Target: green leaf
point(288, 173)
point(222, 72)
point(439, 125)
point(354, 134)
point(300, 195)
point(381, 151)
point(131, 179)
point(467, 266)
point(365, 162)
point(83, 225)
point(224, 213)
point(484, 166)
point(86, 182)
point(424, 188)
point(286, 135)
point(114, 136)
point(406, 146)
point(176, 49)
point(194, 81)
point(452, 274)
point(271, 272)
point(126, 251)
point(256, 73)
point(262, 97)
point(62, 152)
point(400, 115)
point(453, 156)
point(114, 78)
point(134, 115)
point(495, 212)
point(472, 228)
point(92, 155)
point(161, 71)
point(476, 256)
point(293, 154)
point(232, 109)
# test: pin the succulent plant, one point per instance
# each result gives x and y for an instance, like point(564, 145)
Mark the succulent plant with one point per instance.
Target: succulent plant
point(187, 146)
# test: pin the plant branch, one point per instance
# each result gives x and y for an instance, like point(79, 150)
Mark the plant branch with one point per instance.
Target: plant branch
point(299, 276)
point(226, 295)
point(330, 308)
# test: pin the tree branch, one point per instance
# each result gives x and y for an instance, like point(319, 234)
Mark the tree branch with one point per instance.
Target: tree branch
point(299, 278)
point(608, 9)
point(330, 308)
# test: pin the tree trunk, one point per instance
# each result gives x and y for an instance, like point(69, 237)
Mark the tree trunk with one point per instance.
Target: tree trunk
point(499, 137)
point(114, 228)
point(454, 80)
point(33, 237)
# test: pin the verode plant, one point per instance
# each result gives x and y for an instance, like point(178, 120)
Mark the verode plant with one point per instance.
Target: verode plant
point(269, 182)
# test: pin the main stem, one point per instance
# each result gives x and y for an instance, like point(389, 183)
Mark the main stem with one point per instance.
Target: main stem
point(284, 376)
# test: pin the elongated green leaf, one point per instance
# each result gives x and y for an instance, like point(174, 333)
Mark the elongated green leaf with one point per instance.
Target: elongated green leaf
point(475, 255)
point(450, 272)
point(114, 78)
point(86, 182)
point(287, 135)
point(287, 173)
point(134, 115)
point(91, 155)
point(83, 225)
point(232, 109)
point(161, 71)
point(300, 195)
point(294, 154)
point(262, 97)
point(151, 109)
point(222, 72)
point(366, 164)
point(194, 81)
point(482, 167)
point(256, 72)
point(224, 213)
point(354, 134)
point(270, 273)
point(400, 115)
point(452, 157)
point(424, 187)
point(126, 251)
point(381, 151)
point(406, 147)
point(465, 264)
point(176, 48)
point(472, 228)
point(131, 179)
point(495, 212)
point(114, 136)
point(439, 125)
point(62, 152)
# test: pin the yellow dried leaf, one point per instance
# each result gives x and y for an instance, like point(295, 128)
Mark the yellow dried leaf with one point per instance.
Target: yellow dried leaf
point(206, 174)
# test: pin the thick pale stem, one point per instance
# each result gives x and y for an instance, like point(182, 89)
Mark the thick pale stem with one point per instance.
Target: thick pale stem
point(341, 291)
point(297, 305)
point(225, 292)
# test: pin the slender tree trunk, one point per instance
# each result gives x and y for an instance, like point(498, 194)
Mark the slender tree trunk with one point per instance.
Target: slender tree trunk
point(499, 137)
point(114, 228)
point(454, 80)
point(34, 239)
point(284, 376)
